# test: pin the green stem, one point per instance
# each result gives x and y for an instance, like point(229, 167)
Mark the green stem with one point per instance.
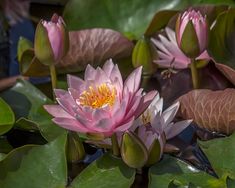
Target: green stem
point(145, 80)
point(194, 73)
point(115, 146)
point(53, 78)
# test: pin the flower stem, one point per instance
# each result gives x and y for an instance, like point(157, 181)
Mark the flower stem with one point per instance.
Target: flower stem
point(53, 78)
point(115, 146)
point(194, 73)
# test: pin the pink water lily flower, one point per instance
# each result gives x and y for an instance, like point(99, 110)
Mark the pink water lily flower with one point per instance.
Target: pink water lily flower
point(101, 104)
point(170, 55)
point(155, 123)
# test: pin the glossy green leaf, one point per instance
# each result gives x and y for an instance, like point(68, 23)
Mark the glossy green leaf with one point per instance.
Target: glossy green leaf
point(7, 117)
point(27, 101)
point(172, 172)
point(222, 44)
point(159, 21)
point(31, 66)
point(132, 16)
point(221, 154)
point(35, 166)
point(105, 172)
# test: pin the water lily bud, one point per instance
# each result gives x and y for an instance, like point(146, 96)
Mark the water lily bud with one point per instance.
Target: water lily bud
point(51, 40)
point(75, 149)
point(142, 56)
point(133, 151)
point(154, 153)
point(192, 33)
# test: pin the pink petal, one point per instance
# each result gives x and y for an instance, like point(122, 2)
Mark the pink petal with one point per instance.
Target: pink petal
point(169, 113)
point(74, 93)
point(55, 38)
point(57, 111)
point(100, 113)
point(174, 129)
point(101, 77)
point(75, 82)
point(125, 126)
point(204, 55)
point(67, 104)
point(59, 93)
point(145, 102)
point(108, 67)
point(70, 124)
point(116, 75)
point(133, 80)
point(90, 73)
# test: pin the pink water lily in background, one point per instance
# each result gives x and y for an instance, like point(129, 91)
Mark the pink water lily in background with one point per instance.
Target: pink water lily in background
point(170, 55)
point(101, 104)
point(199, 23)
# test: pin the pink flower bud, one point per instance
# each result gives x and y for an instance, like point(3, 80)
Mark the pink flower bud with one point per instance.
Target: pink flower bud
point(192, 33)
point(51, 40)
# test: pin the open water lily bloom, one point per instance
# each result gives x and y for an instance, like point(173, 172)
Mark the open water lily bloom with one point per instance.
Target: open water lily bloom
point(101, 104)
point(170, 55)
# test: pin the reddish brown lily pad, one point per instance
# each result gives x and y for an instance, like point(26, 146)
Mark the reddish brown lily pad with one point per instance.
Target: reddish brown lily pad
point(94, 46)
point(227, 71)
point(212, 110)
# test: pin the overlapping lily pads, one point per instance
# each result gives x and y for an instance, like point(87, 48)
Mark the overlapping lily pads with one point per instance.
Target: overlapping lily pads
point(27, 103)
point(35, 166)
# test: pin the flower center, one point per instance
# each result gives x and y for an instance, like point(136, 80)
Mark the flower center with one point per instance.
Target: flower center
point(146, 117)
point(98, 96)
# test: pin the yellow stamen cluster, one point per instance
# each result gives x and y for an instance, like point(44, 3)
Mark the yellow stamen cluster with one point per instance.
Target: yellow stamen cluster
point(99, 96)
point(146, 117)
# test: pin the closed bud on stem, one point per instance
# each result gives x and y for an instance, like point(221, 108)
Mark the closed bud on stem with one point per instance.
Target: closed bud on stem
point(142, 55)
point(51, 40)
point(133, 151)
point(192, 33)
point(75, 149)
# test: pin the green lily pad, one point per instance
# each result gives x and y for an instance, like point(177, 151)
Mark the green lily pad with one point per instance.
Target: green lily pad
point(221, 154)
point(27, 103)
point(5, 146)
point(105, 172)
point(131, 16)
point(7, 117)
point(172, 172)
point(2, 156)
point(221, 44)
point(35, 166)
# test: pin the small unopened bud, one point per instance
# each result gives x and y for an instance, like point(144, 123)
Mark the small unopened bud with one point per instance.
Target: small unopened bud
point(143, 56)
point(75, 149)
